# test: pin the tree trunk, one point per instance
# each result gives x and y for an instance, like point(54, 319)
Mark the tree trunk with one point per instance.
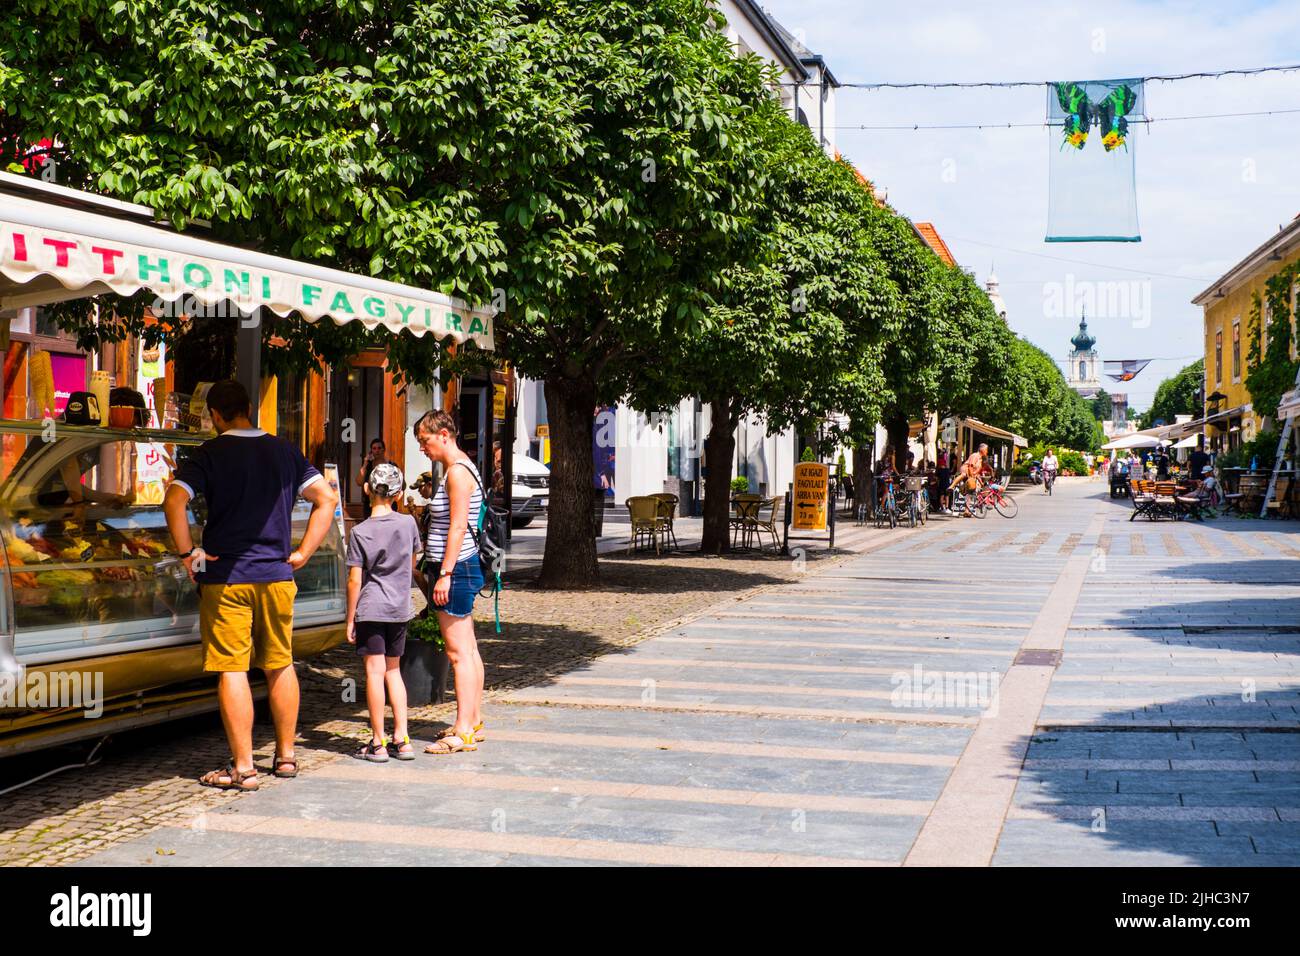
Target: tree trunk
point(569, 561)
point(897, 427)
point(717, 485)
point(862, 473)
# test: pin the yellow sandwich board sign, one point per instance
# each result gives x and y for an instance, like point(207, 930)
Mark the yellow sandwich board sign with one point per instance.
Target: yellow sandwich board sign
point(811, 484)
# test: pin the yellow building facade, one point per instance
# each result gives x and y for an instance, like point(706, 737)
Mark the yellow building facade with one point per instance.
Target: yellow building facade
point(1229, 416)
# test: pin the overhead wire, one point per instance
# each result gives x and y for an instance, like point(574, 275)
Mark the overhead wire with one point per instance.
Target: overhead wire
point(1156, 78)
point(1043, 125)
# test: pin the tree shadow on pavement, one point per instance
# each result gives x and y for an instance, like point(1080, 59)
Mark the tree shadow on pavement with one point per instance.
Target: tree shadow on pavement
point(693, 572)
point(1209, 780)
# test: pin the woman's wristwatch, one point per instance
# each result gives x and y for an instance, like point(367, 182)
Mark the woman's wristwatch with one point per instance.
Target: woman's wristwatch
point(443, 573)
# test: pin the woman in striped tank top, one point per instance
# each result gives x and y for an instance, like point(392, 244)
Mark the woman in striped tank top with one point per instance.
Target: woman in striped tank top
point(452, 555)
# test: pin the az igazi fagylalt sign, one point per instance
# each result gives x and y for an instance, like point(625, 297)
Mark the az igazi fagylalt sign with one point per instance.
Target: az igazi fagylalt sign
point(811, 484)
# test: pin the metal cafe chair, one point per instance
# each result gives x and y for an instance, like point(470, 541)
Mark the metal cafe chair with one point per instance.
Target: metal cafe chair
point(644, 514)
point(667, 510)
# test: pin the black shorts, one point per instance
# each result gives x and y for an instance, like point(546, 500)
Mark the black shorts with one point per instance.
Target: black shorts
point(381, 637)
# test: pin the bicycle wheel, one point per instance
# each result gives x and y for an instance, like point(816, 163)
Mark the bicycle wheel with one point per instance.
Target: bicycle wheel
point(981, 507)
point(1006, 506)
point(911, 511)
point(924, 508)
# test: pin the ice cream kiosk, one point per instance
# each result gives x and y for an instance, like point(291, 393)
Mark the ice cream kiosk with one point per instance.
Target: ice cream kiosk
point(90, 587)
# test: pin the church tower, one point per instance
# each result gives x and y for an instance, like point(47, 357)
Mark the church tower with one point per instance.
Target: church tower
point(1082, 365)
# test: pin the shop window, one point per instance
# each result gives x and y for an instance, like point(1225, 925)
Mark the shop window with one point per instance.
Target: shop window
point(1236, 351)
point(291, 409)
point(204, 352)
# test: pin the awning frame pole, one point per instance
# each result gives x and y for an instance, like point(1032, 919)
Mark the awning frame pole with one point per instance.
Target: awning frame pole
point(248, 360)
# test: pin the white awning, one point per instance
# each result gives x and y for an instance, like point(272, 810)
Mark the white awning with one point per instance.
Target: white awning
point(994, 432)
point(1188, 442)
point(50, 251)
point(1289, 406)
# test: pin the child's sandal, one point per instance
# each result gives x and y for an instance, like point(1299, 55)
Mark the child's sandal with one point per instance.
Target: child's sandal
point(374, 752)
point(401, 750)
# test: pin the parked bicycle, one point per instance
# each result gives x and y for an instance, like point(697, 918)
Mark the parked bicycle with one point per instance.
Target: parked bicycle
point(888, 512)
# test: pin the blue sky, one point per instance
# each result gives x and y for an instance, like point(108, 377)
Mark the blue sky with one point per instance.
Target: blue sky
point(1208, 191)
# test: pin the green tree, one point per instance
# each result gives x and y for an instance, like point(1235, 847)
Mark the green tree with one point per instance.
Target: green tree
point(788, 319)
point(1270, 370)
point(360, 134)
point(589, 162)
point(1175, 396)
point(1102, 406)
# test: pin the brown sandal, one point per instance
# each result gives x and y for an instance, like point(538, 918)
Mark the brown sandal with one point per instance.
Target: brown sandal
point(279, 761)
point(234, 779)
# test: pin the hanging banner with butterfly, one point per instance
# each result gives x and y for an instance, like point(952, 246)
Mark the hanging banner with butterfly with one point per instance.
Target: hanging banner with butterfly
point(1092, 191)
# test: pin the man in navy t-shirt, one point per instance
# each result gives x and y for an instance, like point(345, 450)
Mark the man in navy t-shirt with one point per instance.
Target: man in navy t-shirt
point(245, 568)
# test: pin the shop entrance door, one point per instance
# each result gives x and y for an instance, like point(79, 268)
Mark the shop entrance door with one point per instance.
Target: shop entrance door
point(475, 430)
point(356, 417)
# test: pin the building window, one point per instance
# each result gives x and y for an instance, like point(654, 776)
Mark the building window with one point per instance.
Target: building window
point(1218, 357)
point(1083, 371)
point(1236, 351)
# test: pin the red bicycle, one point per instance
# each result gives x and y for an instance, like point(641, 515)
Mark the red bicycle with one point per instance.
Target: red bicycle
point(994, 495)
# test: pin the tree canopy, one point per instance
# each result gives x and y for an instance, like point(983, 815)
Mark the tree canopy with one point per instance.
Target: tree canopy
point(1176, 396)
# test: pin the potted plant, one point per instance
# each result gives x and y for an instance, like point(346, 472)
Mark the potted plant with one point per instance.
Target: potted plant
point(739, 485)
point(424, 663)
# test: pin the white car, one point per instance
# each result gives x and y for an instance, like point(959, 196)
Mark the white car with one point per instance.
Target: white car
point(530, 491)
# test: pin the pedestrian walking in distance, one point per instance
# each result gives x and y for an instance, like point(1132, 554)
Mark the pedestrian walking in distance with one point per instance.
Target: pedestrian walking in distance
point(456, 577)
point(382, 553)
point(245, 569)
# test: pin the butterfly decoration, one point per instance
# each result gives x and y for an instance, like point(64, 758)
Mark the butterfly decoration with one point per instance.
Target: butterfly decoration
point(1081, 114)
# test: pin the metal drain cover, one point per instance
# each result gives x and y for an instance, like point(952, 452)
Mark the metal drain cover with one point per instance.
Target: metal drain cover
point(1039, 658)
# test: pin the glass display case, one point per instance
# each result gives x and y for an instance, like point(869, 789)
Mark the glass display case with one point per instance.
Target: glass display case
point(88, 566)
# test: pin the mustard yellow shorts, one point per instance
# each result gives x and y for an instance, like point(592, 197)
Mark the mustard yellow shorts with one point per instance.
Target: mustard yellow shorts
point(245, 624)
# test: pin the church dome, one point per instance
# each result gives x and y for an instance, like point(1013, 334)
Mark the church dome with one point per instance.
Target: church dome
point(1082, 341)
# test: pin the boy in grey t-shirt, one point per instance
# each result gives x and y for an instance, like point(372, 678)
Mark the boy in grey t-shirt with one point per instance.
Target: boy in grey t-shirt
point(381, 556)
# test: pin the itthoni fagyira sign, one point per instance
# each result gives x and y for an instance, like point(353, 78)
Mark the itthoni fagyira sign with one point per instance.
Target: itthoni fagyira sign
point(97, 253)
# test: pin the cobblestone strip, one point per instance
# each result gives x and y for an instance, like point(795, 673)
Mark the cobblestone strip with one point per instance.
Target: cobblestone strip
point(1070, 543)
point(1036, 542)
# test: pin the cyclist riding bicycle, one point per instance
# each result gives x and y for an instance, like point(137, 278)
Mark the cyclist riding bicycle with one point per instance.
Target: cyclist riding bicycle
point(1050, 468)
point(969, 476)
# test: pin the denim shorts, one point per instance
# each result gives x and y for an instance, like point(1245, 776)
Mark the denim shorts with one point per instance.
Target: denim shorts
point(466, 580)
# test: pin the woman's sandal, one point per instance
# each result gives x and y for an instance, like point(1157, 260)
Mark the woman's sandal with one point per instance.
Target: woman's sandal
point(279, 762)
point(479, 736)
point(234, 779)
point(452, 744)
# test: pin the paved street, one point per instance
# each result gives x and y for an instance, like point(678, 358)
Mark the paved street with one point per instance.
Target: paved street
point(873, 712)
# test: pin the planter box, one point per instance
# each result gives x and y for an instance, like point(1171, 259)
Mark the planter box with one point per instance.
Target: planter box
point(424, 672)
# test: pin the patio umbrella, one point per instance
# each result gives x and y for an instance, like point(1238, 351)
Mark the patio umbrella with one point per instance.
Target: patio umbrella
point(1135, 441)
point(1188, 442)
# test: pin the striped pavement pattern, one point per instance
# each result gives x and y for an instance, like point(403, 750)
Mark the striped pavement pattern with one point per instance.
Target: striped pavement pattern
point(892, 709)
